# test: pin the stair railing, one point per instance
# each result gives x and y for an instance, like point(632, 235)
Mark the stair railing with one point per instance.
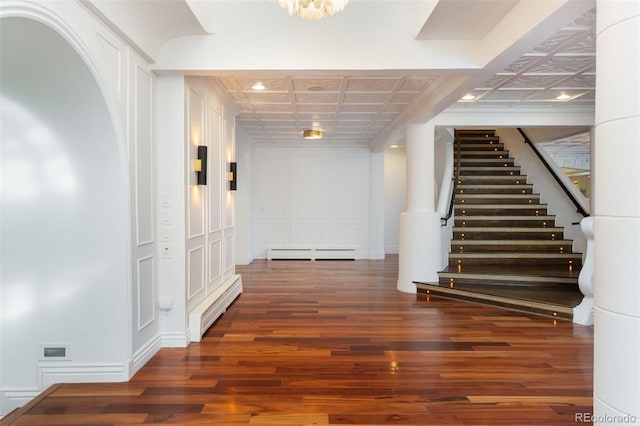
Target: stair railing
point(454, 182)
point(573, 199)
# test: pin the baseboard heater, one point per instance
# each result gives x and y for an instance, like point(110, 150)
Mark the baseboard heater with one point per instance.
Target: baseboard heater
point(214, 305)
point(311, 254)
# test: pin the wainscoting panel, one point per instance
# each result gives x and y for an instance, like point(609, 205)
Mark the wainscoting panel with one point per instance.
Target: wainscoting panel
point(309, 182)
point(145, 326)
point(143, 161)
point(215, 263)
point(216, 163)
point(271, 233)
point(349, 187)
point(146, 294)
point(309, 234)
point(115, 65)
point(229, 253)
point(310, 198)
point(195, 272)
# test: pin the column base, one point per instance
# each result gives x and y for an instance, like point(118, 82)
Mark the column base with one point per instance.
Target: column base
point(420, 256)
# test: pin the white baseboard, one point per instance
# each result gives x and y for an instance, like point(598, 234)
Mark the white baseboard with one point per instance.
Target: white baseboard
point(244, 261)
point(392, 249)
point(50, 373)
point(175, 340)
point(376, 254)
point(312, 253)
point(12, 398)
point(143, 355)
point(214, 305)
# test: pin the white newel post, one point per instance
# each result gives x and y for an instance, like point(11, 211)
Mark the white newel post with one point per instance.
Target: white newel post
point(617, 215)
point(583, 313)
point(419, 257)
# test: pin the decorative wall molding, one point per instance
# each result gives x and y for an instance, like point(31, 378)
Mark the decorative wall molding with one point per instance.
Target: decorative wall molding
point(144, 299)
point(309, 197)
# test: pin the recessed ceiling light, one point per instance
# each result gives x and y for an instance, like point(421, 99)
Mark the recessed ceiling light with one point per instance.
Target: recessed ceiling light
point(258, 86)
point(468, 97)
point(315, 88)
point(563, 97)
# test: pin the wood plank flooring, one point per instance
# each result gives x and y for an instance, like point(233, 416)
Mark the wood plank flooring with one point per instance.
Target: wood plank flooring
point(333, 342)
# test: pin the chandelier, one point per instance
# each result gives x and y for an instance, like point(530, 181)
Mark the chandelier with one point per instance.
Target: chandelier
point(313, 9)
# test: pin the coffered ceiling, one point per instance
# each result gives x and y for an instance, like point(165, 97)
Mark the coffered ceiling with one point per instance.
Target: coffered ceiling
point(355, 107)
point(563, 66)
point(348, 108)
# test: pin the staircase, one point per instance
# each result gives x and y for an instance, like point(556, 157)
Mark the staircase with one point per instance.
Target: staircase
point(506, 249)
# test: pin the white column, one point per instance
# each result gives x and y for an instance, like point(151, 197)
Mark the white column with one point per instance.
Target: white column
point(617, 214)
point(419, 258)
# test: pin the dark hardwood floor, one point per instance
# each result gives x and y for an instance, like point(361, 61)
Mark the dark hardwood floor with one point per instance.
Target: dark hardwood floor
point(333, 342)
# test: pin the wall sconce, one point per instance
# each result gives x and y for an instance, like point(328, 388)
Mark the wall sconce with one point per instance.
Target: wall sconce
point(200, 166)
point(231, 176)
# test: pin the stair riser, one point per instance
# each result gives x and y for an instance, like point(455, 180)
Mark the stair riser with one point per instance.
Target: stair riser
point(481, 147)
point(469, 154)
point(509, 262)
point(491, 180)
point(473, 235)
point(520, 223)
point(446, 282)
point(486, 162)
point(478, 140)
point(514, 191)
point(497, 171)
point(469, 210)
point(489, 248)
point(461, 200)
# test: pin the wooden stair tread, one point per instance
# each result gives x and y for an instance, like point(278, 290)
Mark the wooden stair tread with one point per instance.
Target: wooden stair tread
point(568, 256)
point(504, 206)
point(501, 196)
point(551, 274)
point(505, 229)
point(511, 242)
point(490, 186)
point(556, 304)
point(507, 218)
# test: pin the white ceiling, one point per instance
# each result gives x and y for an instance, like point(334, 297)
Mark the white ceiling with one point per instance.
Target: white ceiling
point(355, 107)
point(366, 73)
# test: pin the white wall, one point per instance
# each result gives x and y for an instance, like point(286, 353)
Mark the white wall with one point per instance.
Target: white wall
point(196, 221)
point(64, 245)
point(311, 197)
point(395, 194)
point(78, 216)
point(243, 197)
point(545, 185)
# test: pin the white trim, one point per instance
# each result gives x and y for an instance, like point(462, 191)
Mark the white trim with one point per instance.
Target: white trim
point(143, 355)
point(57, 372)
point(214, 305)
point(12, 398)
point(312, 253)
point(175, 340)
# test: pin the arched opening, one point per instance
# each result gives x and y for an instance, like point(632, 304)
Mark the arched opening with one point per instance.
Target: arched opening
point(64, 256)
